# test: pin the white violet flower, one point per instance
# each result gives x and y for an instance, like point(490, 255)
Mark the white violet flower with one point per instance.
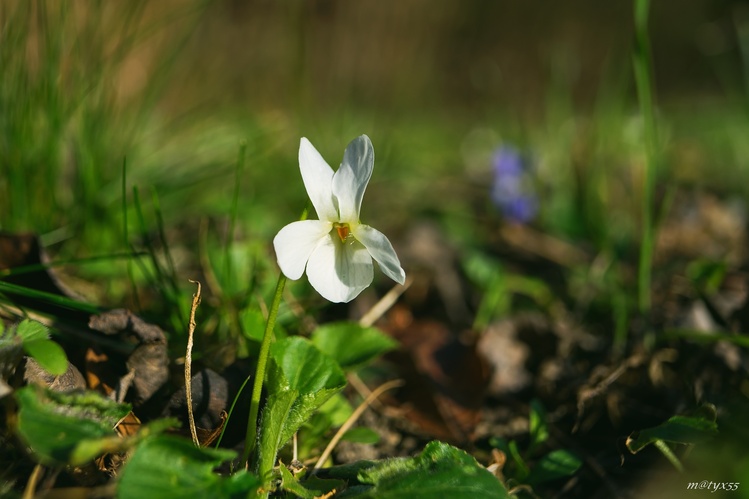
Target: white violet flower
point(337, 249)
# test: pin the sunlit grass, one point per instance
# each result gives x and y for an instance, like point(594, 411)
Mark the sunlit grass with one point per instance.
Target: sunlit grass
point(67, 120)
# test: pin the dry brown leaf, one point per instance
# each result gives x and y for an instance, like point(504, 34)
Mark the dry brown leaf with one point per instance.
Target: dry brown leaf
point(445, 378)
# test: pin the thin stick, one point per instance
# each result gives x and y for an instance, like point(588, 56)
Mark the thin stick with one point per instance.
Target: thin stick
point(363, 390)
point(28, 492)
point(188, 364)
point(359, 385)
point(382, 306)
point(353, 418)
point(378, 310)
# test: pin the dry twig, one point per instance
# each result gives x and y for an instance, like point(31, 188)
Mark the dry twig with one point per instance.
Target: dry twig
point(29, 493)
point(387, 301)
point(188, 365)
point(353, 418)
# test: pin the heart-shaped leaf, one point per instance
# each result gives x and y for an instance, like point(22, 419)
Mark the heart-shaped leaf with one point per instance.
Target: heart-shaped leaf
point(556, 464)
point(61, 428)
point(300, 379)
point(50, 356)
point(678, 429)
point(439, 471)
point(30, 330)
point(170, 467)
point(351, 344)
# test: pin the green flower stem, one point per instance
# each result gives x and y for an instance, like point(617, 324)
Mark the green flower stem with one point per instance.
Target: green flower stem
point(262, 366)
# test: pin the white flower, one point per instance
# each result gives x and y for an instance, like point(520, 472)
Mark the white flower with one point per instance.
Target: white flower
point(337, 249)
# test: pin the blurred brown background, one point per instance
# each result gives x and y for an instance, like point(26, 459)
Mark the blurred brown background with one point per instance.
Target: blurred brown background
point(464, 55)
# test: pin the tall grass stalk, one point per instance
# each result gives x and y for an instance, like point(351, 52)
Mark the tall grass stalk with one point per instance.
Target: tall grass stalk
point(234, 323)
point(163, 278)
point(642, 62)
point(126, 237)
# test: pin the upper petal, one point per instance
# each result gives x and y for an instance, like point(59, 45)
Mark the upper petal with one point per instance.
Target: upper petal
point(318, 179)
point(381, 250)
point(352, 177)
point(339, 271)
point(295, 242)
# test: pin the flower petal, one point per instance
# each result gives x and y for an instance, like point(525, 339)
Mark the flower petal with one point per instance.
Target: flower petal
point(295, 243)
point(381, 250)
point(339, 271)
point(352, 177)
point(318, 177)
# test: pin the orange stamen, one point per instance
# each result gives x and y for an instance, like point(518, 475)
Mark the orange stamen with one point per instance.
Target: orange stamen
point(343, 231)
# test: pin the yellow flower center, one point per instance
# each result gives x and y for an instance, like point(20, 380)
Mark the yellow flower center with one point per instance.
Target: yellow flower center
point(343, 230)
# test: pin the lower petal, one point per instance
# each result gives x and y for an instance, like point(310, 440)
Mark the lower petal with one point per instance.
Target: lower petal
point(339, 271)
point(381, 250)
point(295, 243)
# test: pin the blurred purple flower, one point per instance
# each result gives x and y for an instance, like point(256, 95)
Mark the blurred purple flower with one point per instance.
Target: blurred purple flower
point(512, 191)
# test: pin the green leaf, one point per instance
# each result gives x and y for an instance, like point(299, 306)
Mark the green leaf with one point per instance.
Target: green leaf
point(300, 379)
point(707, 275)
point(489, 275)
point(537, 423)
point(308, 487)
point(240, 485)
point(350, 472)
point(669, 454)
point(351, 344)
point(277, 408)
point(290, 484)
point(56, 425)
point(556, 464)
point(30, 330)
point(481, 269)
point(678, 429)
point(253, 324)
point(63, 301)
point(297, 365)
point(333, 413)
point(324, 485)
point(439, 471)
point(90, 449)
point(361, 435)
point(170, 467)
point(48, 354)
point(522, 468)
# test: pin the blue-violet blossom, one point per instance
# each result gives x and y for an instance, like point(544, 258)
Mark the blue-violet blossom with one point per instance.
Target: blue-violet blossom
point(511, 191)
point(336, 250)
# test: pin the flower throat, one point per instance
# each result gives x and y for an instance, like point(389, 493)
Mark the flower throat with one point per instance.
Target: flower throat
point(343, 230)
